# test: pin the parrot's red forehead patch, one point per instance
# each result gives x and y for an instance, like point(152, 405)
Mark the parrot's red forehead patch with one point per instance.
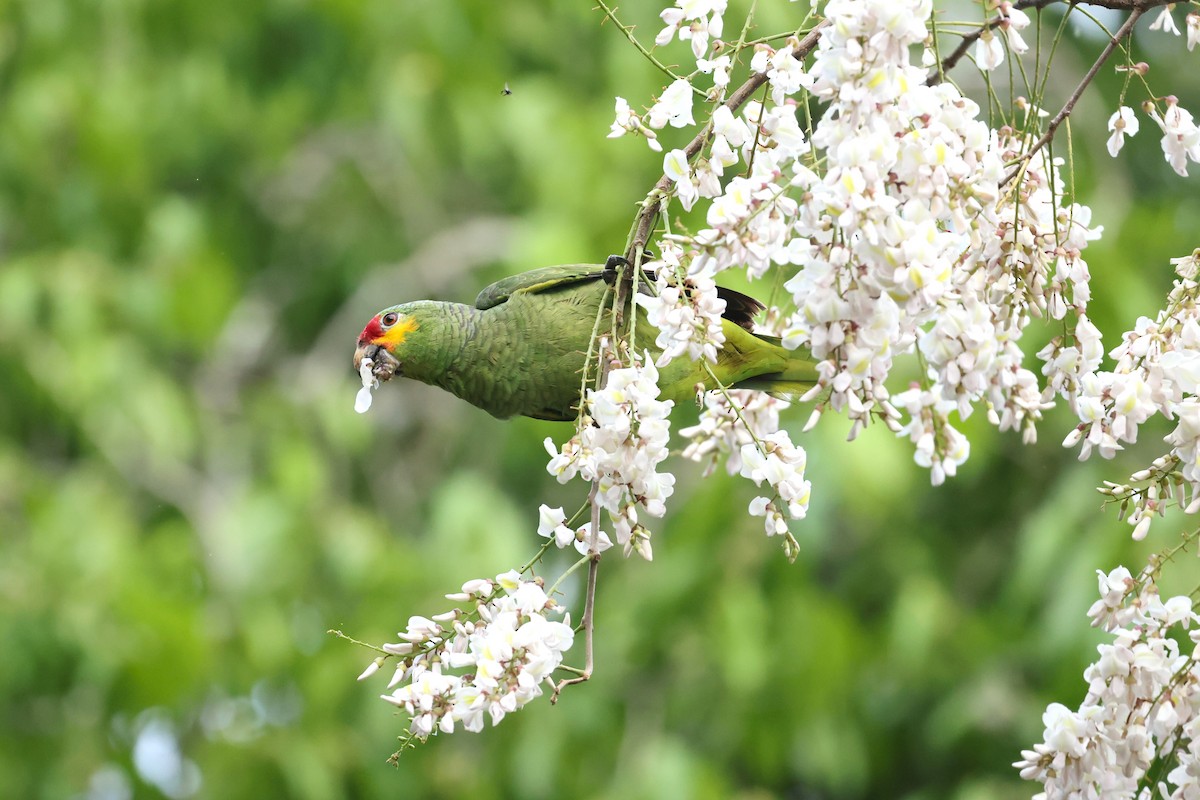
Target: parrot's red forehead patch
point(372, 332)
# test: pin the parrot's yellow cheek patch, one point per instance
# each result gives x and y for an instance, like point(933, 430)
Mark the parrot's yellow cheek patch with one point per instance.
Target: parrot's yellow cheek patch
point(394, 336)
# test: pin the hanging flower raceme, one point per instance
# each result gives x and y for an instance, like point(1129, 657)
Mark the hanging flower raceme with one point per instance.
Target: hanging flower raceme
point(621, 439)
point(484, 662)
point(1141, 705)
point(1157, 373)
point(729, 421)
point(686, 311)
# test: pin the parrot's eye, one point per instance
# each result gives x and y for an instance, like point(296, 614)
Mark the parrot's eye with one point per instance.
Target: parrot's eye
point(389, 319)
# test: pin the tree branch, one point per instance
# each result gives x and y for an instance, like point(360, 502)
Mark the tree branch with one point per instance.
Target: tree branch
point(1069, 106)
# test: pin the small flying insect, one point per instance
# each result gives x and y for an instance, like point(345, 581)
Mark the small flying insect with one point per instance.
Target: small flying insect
point(506, 91)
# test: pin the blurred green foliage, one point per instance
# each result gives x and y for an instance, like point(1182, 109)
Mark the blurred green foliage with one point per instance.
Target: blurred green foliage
point(200, 205)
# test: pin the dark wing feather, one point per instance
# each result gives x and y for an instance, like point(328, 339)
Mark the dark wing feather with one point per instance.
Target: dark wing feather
point(740, 309)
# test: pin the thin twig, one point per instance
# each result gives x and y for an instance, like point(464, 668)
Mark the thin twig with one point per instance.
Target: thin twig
point(969, 39)
point(1069, 106)
point(611, 13)
point(589, 602)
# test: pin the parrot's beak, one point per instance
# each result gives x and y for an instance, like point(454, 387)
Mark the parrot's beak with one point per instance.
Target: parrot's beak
point(384, 364)
point(363, 351)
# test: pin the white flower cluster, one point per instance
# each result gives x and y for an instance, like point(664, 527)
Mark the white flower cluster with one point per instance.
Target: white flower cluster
point(940, 447)
point(673, 107)
point(502, 652)
point(686, 311)
point(903, 232)
point(907, 241)
point(730, 420)
point(1166, 23)
point(1142, 705)
point(744, 426)
point(901, 227)
point(1033, 266)
point(1157, 372)
point(774, 459)
point(749, 219)
point(752, 205)
point(620, 441)
point(697, 21)
point(1181, 138)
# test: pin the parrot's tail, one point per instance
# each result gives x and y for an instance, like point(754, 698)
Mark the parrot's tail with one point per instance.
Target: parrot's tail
point(798, 375)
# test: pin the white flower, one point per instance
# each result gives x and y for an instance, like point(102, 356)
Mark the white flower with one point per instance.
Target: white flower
point(1109, 611)
point(733, 129)
point(509, 581)
point(1013, 21)
point(1181, 138)
point(989, 51)
point(628, 122)
point(1193, 30)
point(362, 401)
point(1066, 731)
point(583, 537)
point(1122, 123)
point(671, 17)
point(1164, 21)
point(1188, 267)
point(675, 165)
point(784, 73)
point(673, 108)
point(551, 524)
point(719, 68)
point(624, 121)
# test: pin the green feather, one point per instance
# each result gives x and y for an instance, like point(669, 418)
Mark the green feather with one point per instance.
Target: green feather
point(520, 350)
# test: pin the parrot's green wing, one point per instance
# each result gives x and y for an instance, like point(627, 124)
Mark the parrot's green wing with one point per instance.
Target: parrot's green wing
point(537, 280)
point(740, 309)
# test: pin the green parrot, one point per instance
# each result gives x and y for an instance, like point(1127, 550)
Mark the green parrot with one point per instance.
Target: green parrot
point(520, 349)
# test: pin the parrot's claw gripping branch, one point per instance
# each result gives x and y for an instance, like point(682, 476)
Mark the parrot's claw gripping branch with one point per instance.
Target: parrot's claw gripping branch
point(611, 267)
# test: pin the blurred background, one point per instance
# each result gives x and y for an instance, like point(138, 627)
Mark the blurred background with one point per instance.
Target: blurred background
point(201, 204)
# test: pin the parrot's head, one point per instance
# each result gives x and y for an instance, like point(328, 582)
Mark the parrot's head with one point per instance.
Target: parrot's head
point(382, 341)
